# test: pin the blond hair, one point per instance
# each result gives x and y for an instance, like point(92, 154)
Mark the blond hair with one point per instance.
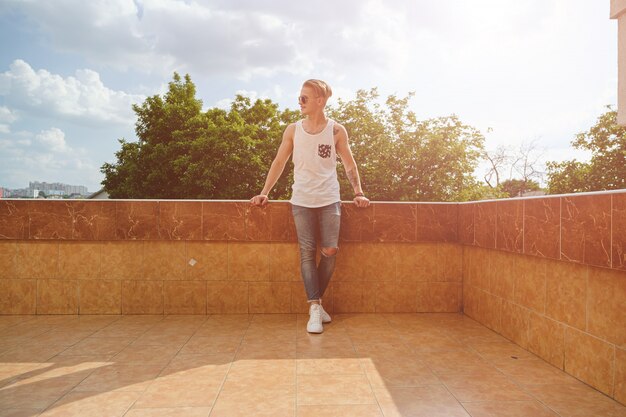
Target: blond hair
point(321, 88)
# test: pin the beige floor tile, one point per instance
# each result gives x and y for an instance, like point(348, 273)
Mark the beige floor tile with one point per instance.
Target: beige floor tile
point(156, 338)
point(6, 321)
point(266, 351)
point(386, 335)
point(321, 345)
point(39, 394)
point(260, 364)
point(10, 372)
point(503, 352)
point(382, 347)
point(273, 319)
point(577, 400)
point(20, 412)
point(534, 372)
point(335, 366)
point(264, 401)
point(327, 353)
point(424, 401)
point(92, 404)
point(261, 373)
point(10, 342)
point(121, 377)
point(334, 389)
point(222, 328)
point(154, 354)
point(122, 329)
point(341, 410)
point(168, 392)
point(211, 344)
point(31, 353)
point(429, 342)
point(25, 330)
point(98, 346)
point(60, 337)
point(471, 334)
point(78, 362)
point(307, 340)
point(454, 362)
point(169, 412)
point(483, 386)
point(65, 368)
point(410, 373)
point(364, 320)
point(206, 365)
point(269, 338)
point(330, 334)
point(508, 409)
point(8, 378)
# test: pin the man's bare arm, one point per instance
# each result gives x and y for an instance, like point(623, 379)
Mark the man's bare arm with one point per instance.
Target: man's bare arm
point(343, 150)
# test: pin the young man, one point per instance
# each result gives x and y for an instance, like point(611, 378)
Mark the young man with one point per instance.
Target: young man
point(315, 142)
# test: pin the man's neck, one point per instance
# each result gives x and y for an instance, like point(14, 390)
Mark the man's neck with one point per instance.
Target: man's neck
point(317, 119)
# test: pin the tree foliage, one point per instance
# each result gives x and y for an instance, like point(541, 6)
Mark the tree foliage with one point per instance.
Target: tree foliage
point(401, 158)
point(517, 187)
point(606, 170)
point(183, 152)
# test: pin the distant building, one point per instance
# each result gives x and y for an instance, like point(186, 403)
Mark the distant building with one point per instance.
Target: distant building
point(99, 195)
point(50, 190)
point(20, 192)
point(56, 188)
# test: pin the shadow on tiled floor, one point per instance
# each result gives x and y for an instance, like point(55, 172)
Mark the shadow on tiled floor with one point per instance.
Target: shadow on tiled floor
point(363, 365)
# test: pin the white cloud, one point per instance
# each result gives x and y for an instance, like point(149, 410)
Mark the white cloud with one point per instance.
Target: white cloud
point(83, 97)
point(244, 39)
point(28, 156)
point(7, 115)
point(53, 139)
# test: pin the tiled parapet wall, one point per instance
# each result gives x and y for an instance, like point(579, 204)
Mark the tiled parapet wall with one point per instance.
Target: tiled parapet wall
point(215, 220)
point(588, 228)
point(157, 277)
point(570, 314)
point(133, 257)
point(549, 274)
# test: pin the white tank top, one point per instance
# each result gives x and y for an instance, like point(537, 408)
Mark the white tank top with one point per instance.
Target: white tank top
point(314, 167)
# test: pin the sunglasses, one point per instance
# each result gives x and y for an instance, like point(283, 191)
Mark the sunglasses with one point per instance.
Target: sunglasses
point(303, 99)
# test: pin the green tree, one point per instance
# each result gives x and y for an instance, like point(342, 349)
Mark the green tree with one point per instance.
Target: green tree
point(183, 152)
point(517, 187)
point(606, 170)
point(403, 159)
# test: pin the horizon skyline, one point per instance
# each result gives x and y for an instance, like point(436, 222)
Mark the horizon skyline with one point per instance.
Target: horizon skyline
point(541, 70)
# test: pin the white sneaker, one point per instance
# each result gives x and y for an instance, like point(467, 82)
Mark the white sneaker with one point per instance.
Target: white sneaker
point(325, 316)
point(315, 319)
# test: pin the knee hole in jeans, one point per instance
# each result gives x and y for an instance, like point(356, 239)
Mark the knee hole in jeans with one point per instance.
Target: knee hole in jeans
point(328, 252)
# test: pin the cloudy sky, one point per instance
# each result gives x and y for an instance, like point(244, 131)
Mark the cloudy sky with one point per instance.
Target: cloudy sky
point(532, 70)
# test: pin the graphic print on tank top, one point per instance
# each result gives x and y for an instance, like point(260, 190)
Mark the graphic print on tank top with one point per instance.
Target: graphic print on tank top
point(323, 150)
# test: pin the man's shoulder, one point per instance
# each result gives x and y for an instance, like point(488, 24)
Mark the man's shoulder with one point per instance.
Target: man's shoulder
point(290, 130)
point(338, 128)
